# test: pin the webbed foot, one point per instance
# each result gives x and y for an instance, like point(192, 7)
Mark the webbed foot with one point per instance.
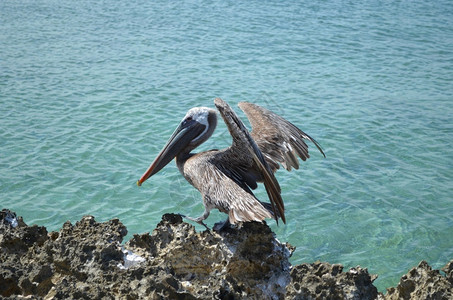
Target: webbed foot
point(221, 226)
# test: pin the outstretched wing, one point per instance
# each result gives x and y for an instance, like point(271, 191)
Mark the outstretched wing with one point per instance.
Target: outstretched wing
point(278, 139)
point(246, 163)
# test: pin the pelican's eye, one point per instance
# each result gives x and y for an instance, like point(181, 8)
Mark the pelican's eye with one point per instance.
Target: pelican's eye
point(186, 120)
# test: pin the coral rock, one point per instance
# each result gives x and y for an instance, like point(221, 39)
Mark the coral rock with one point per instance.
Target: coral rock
point(422, 282)
point(87, 260)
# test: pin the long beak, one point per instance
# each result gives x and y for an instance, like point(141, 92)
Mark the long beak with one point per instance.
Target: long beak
point(179, 140)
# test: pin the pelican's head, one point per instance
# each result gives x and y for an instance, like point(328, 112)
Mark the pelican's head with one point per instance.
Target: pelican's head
point(201, 116)
point(195, 128)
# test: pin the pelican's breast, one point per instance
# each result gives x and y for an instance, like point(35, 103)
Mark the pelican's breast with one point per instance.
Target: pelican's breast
point(199, 170)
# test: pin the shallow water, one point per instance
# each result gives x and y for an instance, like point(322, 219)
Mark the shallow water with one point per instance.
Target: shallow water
point(90, 92)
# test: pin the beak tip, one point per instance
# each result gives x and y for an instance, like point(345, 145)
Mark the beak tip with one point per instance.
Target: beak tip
point(139, 183)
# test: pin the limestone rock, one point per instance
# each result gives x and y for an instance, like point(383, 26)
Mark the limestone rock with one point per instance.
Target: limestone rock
point(422, 282)
point(325, 281)
point(87, 261)
point(236, 263)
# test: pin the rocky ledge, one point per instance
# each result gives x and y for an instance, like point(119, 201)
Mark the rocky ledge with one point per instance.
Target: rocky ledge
point(87, 261)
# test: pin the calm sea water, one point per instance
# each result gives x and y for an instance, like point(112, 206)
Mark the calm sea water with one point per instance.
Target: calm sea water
point(91, 90)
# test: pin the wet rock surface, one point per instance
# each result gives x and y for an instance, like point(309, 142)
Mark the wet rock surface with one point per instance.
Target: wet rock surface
point(86, 260)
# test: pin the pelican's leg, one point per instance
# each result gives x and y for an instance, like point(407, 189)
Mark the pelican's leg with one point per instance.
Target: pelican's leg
point(199, 219)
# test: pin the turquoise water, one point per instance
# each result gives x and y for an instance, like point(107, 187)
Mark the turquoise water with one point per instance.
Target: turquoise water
point(91, 90)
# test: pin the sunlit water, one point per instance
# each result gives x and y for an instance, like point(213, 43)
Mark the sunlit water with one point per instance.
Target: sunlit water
point(90, 91)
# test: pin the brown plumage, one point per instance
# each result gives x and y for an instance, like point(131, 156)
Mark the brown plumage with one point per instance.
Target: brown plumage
point(226, 178)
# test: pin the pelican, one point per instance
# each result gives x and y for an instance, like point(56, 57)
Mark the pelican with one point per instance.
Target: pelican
point(225, 178)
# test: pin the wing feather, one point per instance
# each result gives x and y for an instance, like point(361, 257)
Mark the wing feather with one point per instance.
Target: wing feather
point(278, 139)
point(245, 153)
